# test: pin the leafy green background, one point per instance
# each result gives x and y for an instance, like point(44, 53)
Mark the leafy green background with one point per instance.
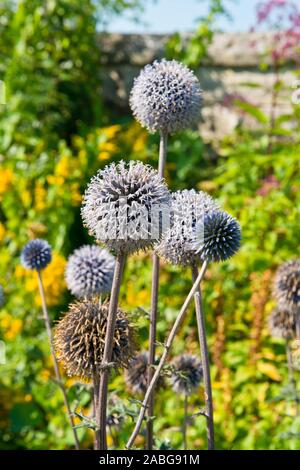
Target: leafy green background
point(55, 132)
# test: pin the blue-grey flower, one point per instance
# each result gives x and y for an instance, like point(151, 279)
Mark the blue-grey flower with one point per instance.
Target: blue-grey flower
point(166, 97)
point(90, 271)
point(123, 205)
point(36, 254)
point(2, 296)
point(217, 237)
point(282, 323)
point(188, 209)
point(187, 374)
point(136, 375)
point(287, 284)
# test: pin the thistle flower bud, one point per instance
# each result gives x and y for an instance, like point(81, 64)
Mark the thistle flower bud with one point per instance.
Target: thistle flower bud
point(90, 271)
point(36, 254)
point(188, 209)
point(166, 97)
point(282, 323)
point(79, 339)
point(122, 206)
point(217, 237)
point(136, 375)
point(287, 284)
point(187, 374)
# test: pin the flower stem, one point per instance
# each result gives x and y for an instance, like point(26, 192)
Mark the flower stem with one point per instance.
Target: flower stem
point(185, 417)
point(154, 303)
point(95, 407)
point(205, 362)
point(292, 379)
point(108, 349)
point(164, 356)
point(55, 363)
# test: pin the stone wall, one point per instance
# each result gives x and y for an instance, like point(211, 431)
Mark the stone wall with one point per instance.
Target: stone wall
point(232, 70)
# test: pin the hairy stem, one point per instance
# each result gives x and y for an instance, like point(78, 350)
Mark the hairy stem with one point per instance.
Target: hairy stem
point(55, 363)
point(95, 407)
point(164, 356)
point(205, 362)
point(154, 303)
point(185, 418)
point(108, 349)
point(292, 379)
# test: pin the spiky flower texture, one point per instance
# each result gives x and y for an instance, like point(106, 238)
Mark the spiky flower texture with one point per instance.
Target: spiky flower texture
point(137, 374)
point(122, 204)
point(187, 374)
point(90, 271)
point(166, 97)
point(282, 323)
point(287, 284)
point(188, 209)
point(218, 237)
point(79, 338)
point(36, 254)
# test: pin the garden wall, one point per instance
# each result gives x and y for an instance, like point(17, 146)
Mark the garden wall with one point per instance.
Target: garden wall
point(233, 63)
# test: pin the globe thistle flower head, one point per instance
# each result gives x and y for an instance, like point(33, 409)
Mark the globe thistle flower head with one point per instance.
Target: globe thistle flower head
point(136, 375)
point(2, 296)
point(287, 284)
point(282, 323)
point(187, 374)
point(90, 271)
point(79, 338)
point(124, 204)
point(188, 209)
point(166, 97)
point(217, 237)
point(36, 254)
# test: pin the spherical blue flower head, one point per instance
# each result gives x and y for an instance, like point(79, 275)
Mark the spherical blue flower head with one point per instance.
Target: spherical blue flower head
point(2, 296)
point(122, 206)
point(187, 210)
point(166, 97)
point(90, 271)
point(36, 254)
point(218, 236)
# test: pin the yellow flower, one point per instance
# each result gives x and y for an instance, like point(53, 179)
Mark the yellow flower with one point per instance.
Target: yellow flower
point(110, 131)
point(13, 327)
point(26, 198)
point(76, 196)
point(6, 177)
point(108, 147)
point(2, 232)
point(104, 156)
point(63, 168)
point(40, 195)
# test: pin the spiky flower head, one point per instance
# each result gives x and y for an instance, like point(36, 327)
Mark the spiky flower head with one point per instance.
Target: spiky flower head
point(282, 323)
point(287, 284)
point(188, 209)
point(122, 206)
point(90, 271)
point(2, 296)
point(79, 338)
point(136, 375)
point(187, 374)
point(36, 254)
point(166, 97)
point(217, 237)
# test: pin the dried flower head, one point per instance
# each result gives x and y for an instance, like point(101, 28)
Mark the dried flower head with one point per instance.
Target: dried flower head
point(122, 206)
point(36, 254)
point(287, 284)
point(188, 209)
point(166, 97)
point(80, 337)
point(282, 323)
point(2, 296)
point(218, 236)
point(136, 375)
point(90, 271)
point(187, 374)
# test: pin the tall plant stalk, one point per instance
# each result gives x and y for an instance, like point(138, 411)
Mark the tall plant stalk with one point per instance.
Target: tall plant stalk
point(165, 354)
point(154, 303)
point(108, 349)
point(55, 363)
point(292, 379)
point(185, 420)
point(95, 407)
point(205, 362)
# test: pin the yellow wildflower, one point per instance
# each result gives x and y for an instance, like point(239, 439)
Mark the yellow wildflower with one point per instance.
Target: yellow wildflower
point(63, 168)
point(13, 328)
point(104, 155)
point(110, 131)
point(6, 177)
point(40, 195)
point(2, 232)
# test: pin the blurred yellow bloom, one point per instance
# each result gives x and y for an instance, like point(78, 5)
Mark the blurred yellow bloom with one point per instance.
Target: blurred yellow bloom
point(63, 167)
point(108, 147)
point(2, 232)
point(40, 195)
point(55, 180)
point(26, 198)
point(45, 375)
point(6, 177)
point(13, 326)
point(104, 155)
point(27, 397)
point(53, 280)
point(110, 131)
point(76, 196)
point(134, 298)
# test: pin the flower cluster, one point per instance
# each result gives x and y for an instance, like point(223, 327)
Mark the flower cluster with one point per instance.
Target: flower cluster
point(90, 271)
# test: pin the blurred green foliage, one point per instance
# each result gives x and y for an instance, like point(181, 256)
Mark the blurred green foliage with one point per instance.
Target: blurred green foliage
point(54, 136)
